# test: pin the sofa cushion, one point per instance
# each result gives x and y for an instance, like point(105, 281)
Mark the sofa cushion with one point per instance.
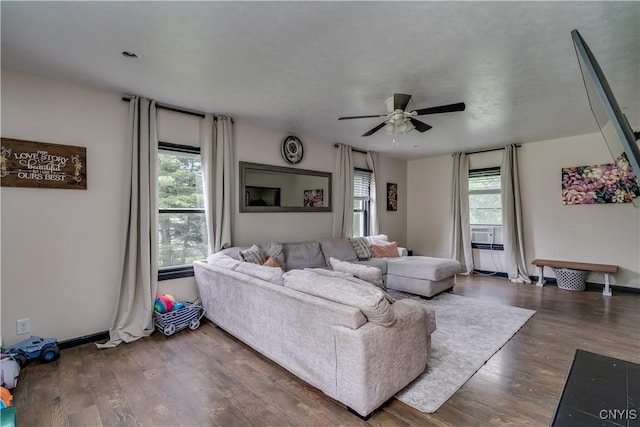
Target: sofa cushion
point(365, 272)
point(338, 248)
point(361, 246)
point(269, 274)
point(222, 260)
point(275, 250)
point(347, 276)
point(253, 255)
point(422, 267)
point(367, 298)
point(304, 254)
point(384, 251)
point(380, 263)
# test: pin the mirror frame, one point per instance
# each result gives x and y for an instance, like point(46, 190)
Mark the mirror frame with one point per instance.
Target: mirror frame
point(295, 171)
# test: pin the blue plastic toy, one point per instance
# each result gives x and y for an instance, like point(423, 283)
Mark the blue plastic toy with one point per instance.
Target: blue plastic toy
point(45, 349)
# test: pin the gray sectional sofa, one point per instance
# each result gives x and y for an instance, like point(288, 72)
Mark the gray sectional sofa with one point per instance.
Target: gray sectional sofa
point(342, 335)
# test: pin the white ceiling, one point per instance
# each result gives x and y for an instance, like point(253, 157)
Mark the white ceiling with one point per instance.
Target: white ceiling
point(298, 66)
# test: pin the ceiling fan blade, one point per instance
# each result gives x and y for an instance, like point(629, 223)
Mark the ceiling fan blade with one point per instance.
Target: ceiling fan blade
point(375, 129)
point(361, 117)
point(420, 127)
point(441, 109)
point(400, 101)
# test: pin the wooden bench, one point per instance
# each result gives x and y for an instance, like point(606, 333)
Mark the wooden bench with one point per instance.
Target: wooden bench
point(584, 266)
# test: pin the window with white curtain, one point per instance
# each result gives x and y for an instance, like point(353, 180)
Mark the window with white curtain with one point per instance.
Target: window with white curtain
point(361, 201)
point(182, 228)
point(485, 202)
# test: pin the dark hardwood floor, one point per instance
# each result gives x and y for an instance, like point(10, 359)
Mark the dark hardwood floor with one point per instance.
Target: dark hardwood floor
point(206, 377)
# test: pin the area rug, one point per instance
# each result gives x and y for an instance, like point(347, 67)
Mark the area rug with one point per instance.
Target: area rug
point(468, 332)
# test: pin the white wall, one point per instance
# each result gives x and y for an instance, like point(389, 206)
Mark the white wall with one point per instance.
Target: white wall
point(61, 250)
point(607, 234)
point(392, 223)
point(262, 146)
point(429, 206)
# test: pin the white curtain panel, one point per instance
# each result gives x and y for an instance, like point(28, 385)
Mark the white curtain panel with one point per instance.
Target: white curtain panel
point(512, 233)
point(343, 193)
point(372, 160)
point(207, 157)
point(133, 317)
point(218, 172)
point(461, 241)
point(225, 175)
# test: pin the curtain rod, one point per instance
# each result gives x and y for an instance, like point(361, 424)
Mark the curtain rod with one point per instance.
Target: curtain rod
point(172, 108)
point(352, 149)
point(489, 149)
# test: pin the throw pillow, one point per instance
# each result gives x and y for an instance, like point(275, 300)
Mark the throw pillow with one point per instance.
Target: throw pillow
point(338, 248)
point(383, 251)
point(361, 246)
point(271, 262)
point(253, 255)
point(364, 272)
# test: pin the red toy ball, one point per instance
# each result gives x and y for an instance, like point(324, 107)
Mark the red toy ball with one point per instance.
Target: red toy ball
point(164, 303)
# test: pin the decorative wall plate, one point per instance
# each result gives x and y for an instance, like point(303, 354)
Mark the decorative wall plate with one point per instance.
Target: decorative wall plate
point(292, 150)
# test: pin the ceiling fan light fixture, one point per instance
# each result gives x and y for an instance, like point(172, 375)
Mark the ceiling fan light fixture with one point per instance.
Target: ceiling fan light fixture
point(389, 127)
point(405, 126)
point(389, 104)
point(398, 125)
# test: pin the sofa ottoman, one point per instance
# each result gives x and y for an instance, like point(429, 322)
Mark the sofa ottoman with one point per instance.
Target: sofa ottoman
point(421, 275)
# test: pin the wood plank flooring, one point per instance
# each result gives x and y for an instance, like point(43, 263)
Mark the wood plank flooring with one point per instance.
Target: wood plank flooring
point(208, 378)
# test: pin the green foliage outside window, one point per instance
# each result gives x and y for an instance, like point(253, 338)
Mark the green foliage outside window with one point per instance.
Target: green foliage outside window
point(182, 236)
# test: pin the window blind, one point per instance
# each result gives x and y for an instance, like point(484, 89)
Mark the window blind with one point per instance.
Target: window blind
point(361, 184)
point(484, 180)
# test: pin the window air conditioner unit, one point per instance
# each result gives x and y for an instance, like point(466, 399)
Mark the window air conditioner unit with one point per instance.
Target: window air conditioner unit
point(482, 235)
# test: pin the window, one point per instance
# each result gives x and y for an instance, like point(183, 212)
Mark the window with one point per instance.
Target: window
point(361, 187)
point(485, 202)
point(182, 228)
point(485, 209)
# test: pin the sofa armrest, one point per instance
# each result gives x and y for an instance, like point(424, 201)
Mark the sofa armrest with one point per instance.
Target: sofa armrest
point(375, 362)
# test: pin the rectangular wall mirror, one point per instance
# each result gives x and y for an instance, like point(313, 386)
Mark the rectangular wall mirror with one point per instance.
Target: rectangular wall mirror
point(268, 188)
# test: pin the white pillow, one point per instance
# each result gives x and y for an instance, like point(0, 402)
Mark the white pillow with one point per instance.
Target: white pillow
point(378, 239)
point(364, 272)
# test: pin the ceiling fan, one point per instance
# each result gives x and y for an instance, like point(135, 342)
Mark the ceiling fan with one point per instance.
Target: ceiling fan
point(400, 121)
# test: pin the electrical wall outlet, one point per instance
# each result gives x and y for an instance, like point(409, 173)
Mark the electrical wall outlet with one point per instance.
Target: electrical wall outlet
point(23, 326)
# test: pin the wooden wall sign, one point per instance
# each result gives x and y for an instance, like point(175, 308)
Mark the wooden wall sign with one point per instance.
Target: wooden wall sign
point(42, 165)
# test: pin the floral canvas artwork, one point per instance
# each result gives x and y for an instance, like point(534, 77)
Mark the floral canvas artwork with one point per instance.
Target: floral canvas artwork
point(392, 197)
point(595, 184)
point(313, 198)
